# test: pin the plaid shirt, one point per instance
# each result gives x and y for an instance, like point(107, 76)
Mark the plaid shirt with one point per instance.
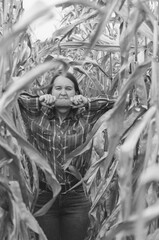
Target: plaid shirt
point(55, 141)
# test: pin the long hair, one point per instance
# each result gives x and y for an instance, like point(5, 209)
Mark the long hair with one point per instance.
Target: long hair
point(68, 75)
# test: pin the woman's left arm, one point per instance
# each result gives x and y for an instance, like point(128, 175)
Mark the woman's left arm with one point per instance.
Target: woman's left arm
point(100, 104)
point(92, 104)
point(94, 107)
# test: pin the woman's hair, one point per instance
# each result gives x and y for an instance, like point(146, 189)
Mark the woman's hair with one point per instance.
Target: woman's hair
point(68, 75)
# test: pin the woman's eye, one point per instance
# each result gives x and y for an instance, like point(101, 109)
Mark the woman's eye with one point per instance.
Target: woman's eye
point(68, 88)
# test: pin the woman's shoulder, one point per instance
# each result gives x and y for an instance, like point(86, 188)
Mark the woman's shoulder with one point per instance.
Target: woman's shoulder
point(25, 94)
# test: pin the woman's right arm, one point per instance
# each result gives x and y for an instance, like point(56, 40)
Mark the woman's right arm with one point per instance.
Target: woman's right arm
point(33, 104)
point(29, 103)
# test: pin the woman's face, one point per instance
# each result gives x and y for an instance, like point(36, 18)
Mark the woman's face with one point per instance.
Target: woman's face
point(63, 88)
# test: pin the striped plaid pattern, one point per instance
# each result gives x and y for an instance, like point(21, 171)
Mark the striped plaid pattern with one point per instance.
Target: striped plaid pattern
point(55, 141)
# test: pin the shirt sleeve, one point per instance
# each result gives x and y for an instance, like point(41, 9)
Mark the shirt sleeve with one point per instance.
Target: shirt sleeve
point(96, 104)
point(29, 103)
point(96, 108)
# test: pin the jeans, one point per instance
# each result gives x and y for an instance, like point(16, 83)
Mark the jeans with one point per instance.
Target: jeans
point(68, 218)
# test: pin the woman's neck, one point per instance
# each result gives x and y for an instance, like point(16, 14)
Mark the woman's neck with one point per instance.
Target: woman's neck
point(62, 114)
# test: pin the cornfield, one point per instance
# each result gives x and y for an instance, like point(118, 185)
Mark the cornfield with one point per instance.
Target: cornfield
point(112, 46)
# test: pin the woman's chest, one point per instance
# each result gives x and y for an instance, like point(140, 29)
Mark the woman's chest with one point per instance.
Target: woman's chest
point(69, 134)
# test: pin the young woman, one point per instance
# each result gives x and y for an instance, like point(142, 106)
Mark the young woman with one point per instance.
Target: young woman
point(56, 131)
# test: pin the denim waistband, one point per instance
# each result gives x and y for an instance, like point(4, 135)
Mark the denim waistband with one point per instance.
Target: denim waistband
point(64, 186)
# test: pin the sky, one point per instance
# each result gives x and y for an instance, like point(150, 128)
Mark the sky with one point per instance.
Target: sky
point(42, 29)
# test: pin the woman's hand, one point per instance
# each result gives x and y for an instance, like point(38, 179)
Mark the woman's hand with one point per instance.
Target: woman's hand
point(79, 100)
point(47, 99)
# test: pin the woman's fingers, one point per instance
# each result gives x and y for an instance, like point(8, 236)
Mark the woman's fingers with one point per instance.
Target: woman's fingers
point(79, 100)
point(47, 99)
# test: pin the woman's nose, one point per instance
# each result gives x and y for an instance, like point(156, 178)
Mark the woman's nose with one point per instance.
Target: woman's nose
point(63, 91)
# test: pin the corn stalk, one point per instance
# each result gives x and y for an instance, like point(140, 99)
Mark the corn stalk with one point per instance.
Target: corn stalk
point(102, 44)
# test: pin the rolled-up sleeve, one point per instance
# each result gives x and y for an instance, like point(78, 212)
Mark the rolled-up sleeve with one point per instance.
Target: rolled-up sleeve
point(95, 104)
point(29, 103)
point(96, 107)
